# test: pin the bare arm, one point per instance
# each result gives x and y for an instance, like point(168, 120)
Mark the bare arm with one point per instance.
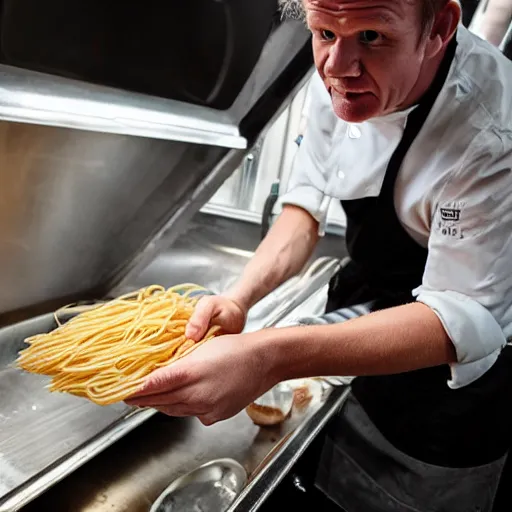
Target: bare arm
point(391, 341)
point(219, 379)
point(281, 255)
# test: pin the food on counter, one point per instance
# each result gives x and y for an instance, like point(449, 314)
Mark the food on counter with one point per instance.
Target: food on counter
point(278, 404)
point(302, 396)
point(266, 416)
point(105, 352)
point(273, 407)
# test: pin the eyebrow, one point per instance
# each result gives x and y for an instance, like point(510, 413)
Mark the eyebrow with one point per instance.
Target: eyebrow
point(383, 18)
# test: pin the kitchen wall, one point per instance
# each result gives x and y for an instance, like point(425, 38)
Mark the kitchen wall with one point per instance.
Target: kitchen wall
point(245, 192)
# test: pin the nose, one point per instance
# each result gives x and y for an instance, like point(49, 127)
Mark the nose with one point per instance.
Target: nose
point(343, 60)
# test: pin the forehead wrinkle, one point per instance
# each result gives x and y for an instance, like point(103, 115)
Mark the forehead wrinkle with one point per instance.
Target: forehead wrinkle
point(341, 18)
point(387, 13)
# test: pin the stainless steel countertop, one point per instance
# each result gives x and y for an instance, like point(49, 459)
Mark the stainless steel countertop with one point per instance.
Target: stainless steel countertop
point(130, 475)
point(132, 472)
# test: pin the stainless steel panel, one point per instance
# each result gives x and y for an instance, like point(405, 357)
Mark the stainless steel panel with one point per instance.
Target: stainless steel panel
point(84, 202)
point(287, 454)
point(281, 49)
point(210, 488)
point(130, 474)
point(76, 207)
point(213, 251)
point(36, 98)
point(39, 430)
point(96, 183)
point(44, 436)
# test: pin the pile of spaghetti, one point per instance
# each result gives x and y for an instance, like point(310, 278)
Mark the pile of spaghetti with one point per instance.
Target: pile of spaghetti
point(105, 352)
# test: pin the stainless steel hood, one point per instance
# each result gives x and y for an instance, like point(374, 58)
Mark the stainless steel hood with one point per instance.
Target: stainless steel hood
point(93, 176)
point(97, 180)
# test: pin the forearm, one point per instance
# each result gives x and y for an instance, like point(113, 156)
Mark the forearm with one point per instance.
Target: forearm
point(496, 21)
point(392, 341)
point(281, 255)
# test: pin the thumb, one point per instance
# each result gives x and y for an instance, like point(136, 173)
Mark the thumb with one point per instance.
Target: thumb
point(162, 380)
point(200, 319)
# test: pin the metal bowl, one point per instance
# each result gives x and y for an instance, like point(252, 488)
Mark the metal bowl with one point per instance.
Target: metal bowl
point(212, 487)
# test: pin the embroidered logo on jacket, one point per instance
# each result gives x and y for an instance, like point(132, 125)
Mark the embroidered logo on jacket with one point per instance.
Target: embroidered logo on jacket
point(448, 220)
point(450, 214)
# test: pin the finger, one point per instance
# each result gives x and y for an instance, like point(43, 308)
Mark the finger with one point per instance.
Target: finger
point(208, 419)
point(177, 411)
point(200, 319)
point(164, 380)
point(159, 399)
point(169, 412)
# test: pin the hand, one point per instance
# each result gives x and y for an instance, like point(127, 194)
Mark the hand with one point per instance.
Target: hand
point(216, 310)
point(214, 382)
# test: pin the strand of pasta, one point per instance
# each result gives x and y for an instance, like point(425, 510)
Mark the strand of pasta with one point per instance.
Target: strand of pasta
point(105, 352)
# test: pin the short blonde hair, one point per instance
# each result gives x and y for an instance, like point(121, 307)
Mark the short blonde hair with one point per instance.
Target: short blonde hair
point(293, 9)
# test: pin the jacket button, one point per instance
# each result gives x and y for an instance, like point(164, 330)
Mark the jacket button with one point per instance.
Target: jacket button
point(354, 132)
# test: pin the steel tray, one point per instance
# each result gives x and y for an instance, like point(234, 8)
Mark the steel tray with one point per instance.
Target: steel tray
point(44, 436)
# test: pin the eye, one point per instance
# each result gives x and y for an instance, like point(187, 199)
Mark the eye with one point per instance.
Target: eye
point(369, 36)
point(327, 35)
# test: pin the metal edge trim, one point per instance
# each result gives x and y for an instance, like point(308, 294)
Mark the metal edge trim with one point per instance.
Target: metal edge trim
point(133, 128)
point(39, 485)
point(257, 491)
point(231, 213)
point(34, 97)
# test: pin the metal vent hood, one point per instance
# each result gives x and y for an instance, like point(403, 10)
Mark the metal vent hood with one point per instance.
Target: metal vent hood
point(117, 124)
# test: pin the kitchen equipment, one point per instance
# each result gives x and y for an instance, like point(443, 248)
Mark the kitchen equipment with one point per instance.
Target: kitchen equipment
point(100, 174)
point(212, 487)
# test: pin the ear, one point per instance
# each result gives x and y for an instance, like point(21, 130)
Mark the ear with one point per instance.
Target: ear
point(444, 27)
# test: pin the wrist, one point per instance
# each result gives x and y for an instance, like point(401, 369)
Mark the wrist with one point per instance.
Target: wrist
point(266, 356)
point(285, 353)
point(239, 299)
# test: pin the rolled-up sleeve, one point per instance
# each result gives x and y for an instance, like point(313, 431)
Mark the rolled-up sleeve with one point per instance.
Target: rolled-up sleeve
point(468, 275)
point(308, 179)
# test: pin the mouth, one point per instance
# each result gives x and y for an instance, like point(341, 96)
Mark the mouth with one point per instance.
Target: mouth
point(348, 95)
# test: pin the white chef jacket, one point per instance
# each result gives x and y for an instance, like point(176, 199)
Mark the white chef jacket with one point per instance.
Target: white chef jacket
point(453, 194)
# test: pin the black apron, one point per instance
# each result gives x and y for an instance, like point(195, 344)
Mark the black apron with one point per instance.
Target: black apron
point(417, 411)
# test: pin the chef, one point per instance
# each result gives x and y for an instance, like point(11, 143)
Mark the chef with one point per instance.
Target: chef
point(410, 127)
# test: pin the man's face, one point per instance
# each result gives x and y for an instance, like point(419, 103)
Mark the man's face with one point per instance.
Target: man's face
point(369, 53)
